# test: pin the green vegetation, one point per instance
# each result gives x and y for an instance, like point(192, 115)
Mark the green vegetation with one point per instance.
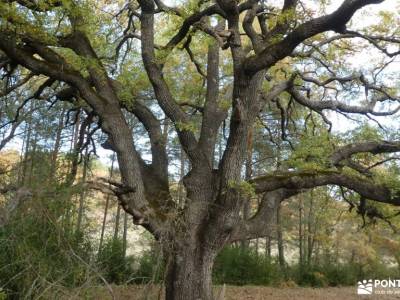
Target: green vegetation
point(146, 143)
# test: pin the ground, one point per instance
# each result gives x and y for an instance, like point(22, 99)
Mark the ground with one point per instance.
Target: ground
point(231, 293)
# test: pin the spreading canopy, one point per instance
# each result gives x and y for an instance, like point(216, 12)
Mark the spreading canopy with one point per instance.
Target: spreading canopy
point(262, 59)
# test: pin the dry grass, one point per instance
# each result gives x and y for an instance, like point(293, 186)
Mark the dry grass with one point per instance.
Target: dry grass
point(232, 293)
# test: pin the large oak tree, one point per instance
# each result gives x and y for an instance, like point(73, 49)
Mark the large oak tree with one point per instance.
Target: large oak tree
point(260, 54)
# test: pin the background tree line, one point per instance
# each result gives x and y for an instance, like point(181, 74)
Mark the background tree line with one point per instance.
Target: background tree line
point(236, 131)
point(60, 231)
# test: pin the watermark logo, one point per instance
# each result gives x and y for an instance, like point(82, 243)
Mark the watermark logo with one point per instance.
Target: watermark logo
point(365, 287)
point(378, 287)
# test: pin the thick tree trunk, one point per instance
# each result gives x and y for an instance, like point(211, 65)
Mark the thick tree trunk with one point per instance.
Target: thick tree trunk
point(192, 249)
point(189, 275)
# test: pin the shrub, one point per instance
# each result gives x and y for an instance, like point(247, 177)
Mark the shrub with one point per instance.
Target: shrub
point(238, 266)
point(339, 274)
point(113, 263)
point(35, 252)
point(151, 267)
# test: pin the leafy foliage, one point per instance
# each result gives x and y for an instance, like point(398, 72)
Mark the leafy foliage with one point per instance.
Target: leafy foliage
point(112, 262)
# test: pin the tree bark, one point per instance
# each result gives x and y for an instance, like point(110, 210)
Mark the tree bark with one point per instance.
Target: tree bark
point(189, 275)
point(212, 213)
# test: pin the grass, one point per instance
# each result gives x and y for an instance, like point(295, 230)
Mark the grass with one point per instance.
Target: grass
point(151, 292)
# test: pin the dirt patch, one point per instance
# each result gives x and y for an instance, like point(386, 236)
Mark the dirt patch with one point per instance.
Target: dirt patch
point(231, 293)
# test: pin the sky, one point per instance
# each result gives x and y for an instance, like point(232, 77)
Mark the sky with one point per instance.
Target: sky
point(363, 18)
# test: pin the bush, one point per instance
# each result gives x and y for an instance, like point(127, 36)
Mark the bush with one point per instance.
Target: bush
point(308, 276)
point(342, 274)
point(339, 274)
point(238, 266)
point(151, 267)
point(35, 252)
point(114, 265)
